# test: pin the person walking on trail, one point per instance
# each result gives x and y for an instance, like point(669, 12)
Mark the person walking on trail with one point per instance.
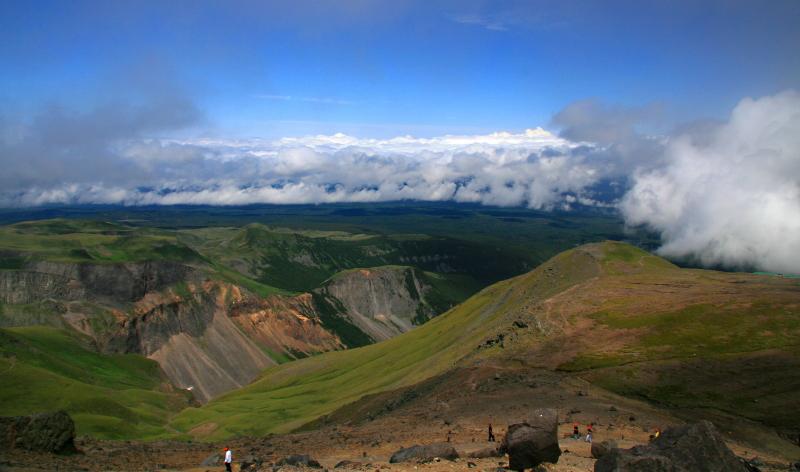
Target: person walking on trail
point(228, 460)
point(576, 433)
point(589, 433)
point(491, 434)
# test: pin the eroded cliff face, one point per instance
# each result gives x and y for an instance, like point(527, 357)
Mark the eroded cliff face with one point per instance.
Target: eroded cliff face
point(382, 302)
point(193, 338)
point(124, 282)
point(25, 286)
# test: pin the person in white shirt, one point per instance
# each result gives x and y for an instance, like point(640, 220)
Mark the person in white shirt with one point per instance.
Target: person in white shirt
point(228, 460)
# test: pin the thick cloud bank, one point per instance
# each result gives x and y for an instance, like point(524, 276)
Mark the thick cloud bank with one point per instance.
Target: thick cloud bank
point(533, 168)
point(723, 194)
point(730, 196)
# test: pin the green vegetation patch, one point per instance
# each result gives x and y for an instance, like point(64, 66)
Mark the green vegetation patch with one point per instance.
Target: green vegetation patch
point(88, 241)
point(751, 385)
point(697, 330)
point(45, 369)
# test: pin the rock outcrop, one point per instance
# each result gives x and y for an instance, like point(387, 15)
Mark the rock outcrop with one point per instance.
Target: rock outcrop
point(533, 442)
point(46, 432)
point(680, 449)
point(600, 449)
point(425, 453)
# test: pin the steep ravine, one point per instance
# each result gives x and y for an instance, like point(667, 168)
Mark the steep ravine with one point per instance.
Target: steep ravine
point(211, 336)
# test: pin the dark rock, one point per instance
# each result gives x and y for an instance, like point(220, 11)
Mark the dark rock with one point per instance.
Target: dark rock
point(600, 449)
point(612, 408)
point(533, 442)
point(424, 453)
point(350, 465)
point(680, 449)
point(300, 460)
point(471, 465)
point(485, 452)
point(47, 432)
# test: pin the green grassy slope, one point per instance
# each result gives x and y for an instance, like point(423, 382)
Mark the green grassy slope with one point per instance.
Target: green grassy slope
point(293, 394)
point(88, 241)
point(118, 396)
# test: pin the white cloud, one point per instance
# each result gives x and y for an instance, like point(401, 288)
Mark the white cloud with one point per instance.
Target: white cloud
point(732, 197)
point(724, 193)
point(533, 168)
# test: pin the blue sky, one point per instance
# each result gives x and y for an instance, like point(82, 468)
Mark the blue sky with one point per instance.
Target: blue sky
point(379, 69)
point(688, 110)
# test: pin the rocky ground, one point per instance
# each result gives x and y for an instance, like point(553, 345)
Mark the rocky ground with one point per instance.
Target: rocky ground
point(458, 407)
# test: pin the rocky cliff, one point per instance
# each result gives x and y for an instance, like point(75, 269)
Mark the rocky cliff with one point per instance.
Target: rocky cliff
point(124, 282)
point(382, 301)
point(193, 338)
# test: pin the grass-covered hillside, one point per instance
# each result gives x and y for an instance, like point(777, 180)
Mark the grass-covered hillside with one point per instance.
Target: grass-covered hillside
point(300, 260)
point(88, 241)
point(109, 396)
point(600, 306)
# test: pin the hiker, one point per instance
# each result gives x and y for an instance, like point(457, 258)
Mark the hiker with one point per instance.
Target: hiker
point(576, 434)
point(228, 460)
point(491, 434)
point(449, 435)
point(589, 433)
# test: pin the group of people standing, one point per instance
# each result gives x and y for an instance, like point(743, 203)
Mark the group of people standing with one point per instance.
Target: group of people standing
point(576, 432)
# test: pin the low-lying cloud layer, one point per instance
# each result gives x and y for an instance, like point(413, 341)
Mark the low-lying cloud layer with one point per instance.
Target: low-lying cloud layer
point(731, 195)
point(724, 194)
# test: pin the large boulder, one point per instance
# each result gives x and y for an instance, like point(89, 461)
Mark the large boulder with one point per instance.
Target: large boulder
point(533, 442)
point(425, 453)
point(52, 432)
point(680, 449)
point(600, 449)
point(300, 460)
